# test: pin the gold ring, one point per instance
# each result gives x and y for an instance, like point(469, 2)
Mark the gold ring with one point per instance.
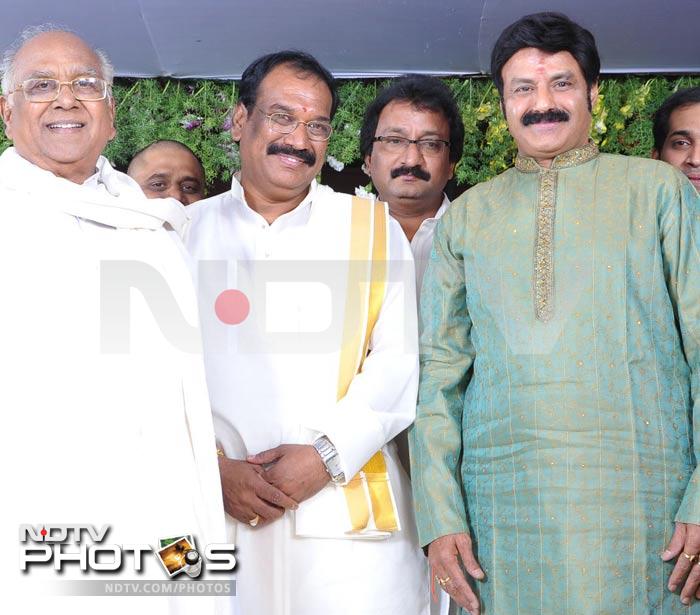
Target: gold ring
point(254, 521)
point(442, 582)
point(690, 558)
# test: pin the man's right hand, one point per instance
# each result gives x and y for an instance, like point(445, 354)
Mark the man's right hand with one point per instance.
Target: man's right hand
point(248, 495)
point(444, 554)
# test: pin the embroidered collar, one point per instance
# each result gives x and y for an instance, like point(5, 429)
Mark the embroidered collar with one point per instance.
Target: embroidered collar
point(572, 158)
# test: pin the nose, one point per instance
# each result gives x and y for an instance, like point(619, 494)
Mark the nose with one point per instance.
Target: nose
point(693, 158)
point(544, 99)
point(66, 99)
point(175, 193)
point(298, 138)
point(412, 155)
point(185, 197)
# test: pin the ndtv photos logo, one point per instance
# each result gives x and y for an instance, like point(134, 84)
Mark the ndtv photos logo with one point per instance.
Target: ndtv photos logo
point(85, 546)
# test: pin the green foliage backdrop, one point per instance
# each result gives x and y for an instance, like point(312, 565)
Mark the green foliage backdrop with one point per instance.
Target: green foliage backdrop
point(198, 114)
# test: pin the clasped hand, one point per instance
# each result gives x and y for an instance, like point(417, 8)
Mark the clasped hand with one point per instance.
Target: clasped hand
point(267, 484)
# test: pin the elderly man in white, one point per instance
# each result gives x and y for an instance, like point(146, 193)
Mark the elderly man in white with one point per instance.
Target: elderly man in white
point(106, 417)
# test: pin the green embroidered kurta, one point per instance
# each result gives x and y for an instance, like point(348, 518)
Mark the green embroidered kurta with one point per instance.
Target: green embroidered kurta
point(560, 357)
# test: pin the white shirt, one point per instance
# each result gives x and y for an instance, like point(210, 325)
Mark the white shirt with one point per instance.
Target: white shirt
point(422, 243)
point(273, 378)
point(107, 420)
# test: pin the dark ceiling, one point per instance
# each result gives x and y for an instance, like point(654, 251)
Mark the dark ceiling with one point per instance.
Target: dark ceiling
point(355, 38)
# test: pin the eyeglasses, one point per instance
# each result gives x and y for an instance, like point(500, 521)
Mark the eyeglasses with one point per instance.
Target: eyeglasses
point(398, 145)
point(287, 124)
point(47, 90)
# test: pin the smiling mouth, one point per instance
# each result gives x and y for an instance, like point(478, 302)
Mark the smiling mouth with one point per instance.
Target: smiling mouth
point(65, 125)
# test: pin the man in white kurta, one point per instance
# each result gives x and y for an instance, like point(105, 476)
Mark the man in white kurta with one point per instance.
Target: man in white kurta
point(106, 417)
point(273, 371)
point(411, 139)
point(422, 241)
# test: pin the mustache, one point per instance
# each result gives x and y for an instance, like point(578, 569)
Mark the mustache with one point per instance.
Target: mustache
point(417, 171)
point(551, 115)
point(305, 155)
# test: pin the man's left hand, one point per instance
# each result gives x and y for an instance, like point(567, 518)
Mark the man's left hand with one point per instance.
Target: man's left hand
point(297, 470)
point(685, 543)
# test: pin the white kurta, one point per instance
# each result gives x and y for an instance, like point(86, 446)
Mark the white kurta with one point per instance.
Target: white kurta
point(421, 246)
point(273, 380)
point(422, 242)
point(105, 410)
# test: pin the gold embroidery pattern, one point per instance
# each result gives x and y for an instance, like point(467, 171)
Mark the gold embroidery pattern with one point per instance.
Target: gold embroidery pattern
point(543, 274)
point(571, 158)
point(544, 246)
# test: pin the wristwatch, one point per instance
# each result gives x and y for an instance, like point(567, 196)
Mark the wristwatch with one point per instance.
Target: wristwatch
point(329, 455)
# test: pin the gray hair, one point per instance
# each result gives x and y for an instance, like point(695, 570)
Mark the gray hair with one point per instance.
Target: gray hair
point(7, 64)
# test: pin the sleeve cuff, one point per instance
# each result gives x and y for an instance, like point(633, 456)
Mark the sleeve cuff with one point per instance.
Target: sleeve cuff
point(689, 510)
point(355, 432)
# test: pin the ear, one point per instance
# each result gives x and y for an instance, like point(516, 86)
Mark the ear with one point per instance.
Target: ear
point(367, 165)
point(6, 112)
point(112, 114)
point(655, 154)
point(503, 107)
point(594, 94)
point(452, 170)
point(238, 121)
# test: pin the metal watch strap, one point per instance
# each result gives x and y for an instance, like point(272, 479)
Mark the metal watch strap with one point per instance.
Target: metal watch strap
point(329, 455)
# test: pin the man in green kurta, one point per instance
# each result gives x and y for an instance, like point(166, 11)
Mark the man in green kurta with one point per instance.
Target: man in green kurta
point(554, 443)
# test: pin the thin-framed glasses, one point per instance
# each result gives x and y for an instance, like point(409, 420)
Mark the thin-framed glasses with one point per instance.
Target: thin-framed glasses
point(284, 123)
point(47, 90)
point(427, 147)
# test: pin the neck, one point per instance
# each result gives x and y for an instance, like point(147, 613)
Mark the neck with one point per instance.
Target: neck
point(410, 214)
point(271, 206)
point(73, 173)
point(546, 161)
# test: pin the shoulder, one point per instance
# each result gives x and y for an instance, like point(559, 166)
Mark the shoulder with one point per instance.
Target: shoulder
point(206, 217)
point(206, 210)
point(325, 195)
point(482, 191)
point(636, 168)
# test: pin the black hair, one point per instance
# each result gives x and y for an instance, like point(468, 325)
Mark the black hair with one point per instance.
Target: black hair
point(549, 32)
point(662, 117)
point(423, 92)
point(143, 150)
point(300, 60)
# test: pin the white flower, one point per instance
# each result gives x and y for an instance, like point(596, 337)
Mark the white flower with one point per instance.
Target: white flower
point(360, 191)
point(334, 163)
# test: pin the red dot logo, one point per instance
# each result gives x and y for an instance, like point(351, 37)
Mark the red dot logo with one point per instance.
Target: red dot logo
point(43, 531)
point(232, 307)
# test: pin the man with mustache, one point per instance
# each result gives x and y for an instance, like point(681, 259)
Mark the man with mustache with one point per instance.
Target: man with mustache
point(301, 287)
point(553, 444)
point(677, 133)
point(411, 139)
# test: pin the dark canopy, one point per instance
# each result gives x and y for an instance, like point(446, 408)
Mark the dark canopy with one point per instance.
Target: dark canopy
point(354, 38)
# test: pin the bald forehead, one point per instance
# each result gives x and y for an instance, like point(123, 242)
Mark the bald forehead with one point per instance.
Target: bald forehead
point(157, 149)
point(51, 47)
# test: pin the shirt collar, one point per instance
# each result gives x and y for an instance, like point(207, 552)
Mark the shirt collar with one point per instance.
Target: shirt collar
point(238, 193)
point(442, 209)
point(572, 158)
point(438, 214)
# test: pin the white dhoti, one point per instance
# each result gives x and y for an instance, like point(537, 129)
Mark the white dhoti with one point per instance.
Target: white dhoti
point(273, 380)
